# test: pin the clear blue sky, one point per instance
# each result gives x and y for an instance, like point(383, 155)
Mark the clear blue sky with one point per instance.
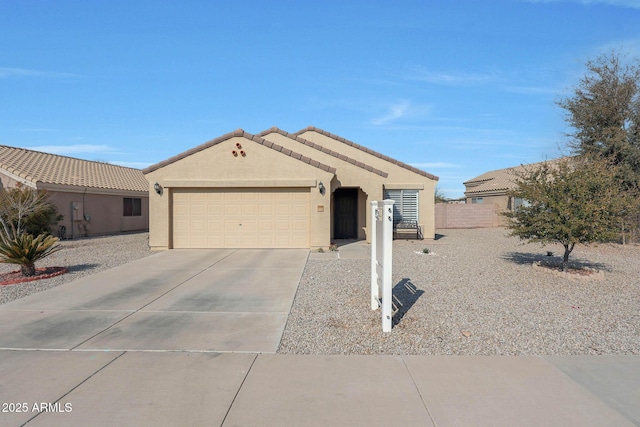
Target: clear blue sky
point(453, 87)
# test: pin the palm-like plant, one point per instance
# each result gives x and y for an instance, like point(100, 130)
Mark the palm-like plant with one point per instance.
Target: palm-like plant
point(25, 250)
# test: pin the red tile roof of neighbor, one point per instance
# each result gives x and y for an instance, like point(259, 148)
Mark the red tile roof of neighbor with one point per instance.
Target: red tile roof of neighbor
point(500, 180)
point(35, 166)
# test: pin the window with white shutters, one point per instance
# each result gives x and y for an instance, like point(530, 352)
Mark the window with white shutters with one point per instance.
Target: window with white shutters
point(405, 207)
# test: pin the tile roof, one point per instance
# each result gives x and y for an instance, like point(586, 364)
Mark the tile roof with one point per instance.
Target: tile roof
point(325, 150)
point(366, 150)
point(241, 133)
point(36, 166)
point(497, 181)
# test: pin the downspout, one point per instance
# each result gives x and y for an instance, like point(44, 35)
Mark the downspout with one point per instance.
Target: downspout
point(82, 221)
point(73, 225)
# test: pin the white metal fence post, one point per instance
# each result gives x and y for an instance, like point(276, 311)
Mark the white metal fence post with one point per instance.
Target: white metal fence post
point(387, 257)
point(375, 295)
point(381, 259)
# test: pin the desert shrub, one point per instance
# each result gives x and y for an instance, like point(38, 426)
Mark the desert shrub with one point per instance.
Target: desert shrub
point(24, 250)
point(25, 210)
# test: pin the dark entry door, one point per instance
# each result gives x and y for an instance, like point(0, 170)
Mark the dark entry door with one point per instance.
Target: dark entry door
point(345, 213)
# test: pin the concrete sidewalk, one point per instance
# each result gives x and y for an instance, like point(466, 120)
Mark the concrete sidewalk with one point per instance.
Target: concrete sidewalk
point(135, 388)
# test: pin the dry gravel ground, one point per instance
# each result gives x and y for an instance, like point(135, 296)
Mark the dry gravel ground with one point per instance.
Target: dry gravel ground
point(475, 294)
point(83, 256)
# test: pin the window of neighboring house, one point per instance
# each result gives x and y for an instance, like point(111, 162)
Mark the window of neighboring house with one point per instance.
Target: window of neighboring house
point(477, 200)
point(132, 206)
point(405, 207)
point(519, 202)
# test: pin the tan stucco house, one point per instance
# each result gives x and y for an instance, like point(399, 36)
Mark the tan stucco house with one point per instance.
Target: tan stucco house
point(493, 187)
point(279, 190)
point(95, 198)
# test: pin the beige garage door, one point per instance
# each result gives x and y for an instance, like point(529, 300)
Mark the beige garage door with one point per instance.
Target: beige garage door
point(241, 218)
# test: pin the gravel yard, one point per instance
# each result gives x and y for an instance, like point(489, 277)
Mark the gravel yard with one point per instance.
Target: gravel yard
point(82, 256)
point(476, 293)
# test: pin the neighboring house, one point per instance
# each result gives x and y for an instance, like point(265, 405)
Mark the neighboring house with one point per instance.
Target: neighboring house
point(280, 190)
point(493, 187)
point(95, 198)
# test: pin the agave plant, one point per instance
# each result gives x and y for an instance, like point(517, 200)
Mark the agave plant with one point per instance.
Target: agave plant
point(25, 250)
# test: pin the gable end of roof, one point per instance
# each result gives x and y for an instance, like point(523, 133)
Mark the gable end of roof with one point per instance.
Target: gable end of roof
point(239, 133)
point(324, 150)
point(367, 150)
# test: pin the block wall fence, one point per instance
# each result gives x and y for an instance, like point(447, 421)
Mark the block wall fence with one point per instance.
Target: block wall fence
point(467, 216)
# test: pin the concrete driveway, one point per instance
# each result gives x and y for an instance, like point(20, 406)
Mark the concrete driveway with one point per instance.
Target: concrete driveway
point(186, 300)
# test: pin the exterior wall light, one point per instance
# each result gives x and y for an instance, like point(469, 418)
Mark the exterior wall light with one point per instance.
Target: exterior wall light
point(158, 188)
point(321, 188)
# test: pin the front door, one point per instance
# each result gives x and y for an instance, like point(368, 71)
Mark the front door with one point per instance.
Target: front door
point(345, 213)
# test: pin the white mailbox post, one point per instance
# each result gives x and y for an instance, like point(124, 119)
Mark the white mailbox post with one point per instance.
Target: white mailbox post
point(381, 259)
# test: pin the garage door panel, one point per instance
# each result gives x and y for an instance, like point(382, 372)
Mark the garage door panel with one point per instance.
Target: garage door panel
point(250, 225)
point(197, 225)
point(214, 225)
point(266, 241)
point(299, 225)
point(180, 210)
point(237, 218)
point(231, 241)
point(283, 210)
point(283, 241)
point(198, 241)
point(214, 241)
point(266, 225)
point(299, 242)
point(215, 209)
point(198, 210)
point(265, 210)
point(249, 211)
point(282, 226)
point(232, 209)
point(181, 225)
point(299, 210)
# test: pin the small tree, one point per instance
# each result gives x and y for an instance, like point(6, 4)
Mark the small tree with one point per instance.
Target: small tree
point(569, 201)
point(439, 196)
point(604, 114)
point(17, 205)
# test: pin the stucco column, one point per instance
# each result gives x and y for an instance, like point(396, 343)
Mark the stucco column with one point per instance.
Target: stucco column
point(372, 193)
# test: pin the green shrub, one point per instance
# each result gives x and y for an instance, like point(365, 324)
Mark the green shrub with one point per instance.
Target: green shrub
point(25, 210)
point(24, 250)
point(40, 222)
